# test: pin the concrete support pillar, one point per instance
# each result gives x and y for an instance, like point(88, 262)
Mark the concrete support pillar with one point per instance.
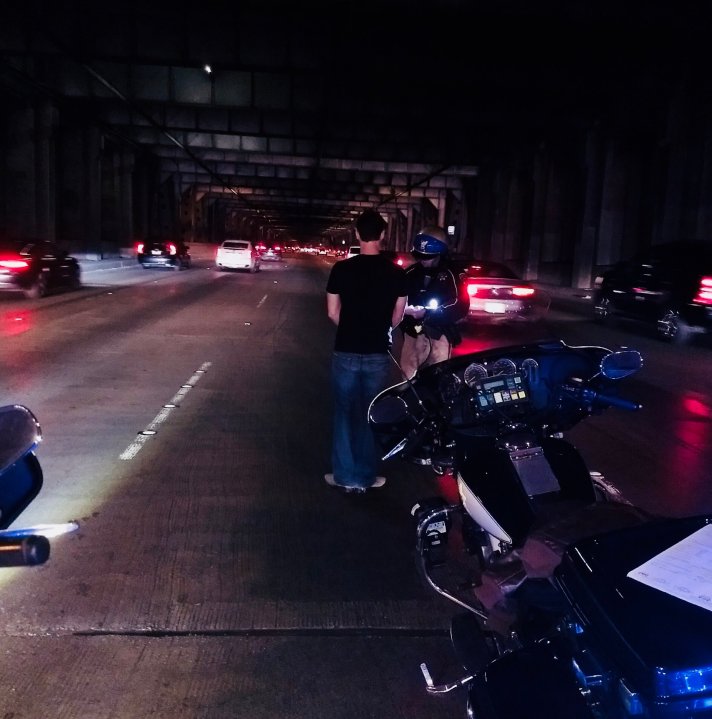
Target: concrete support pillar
point(484, 215)
point(675, 184)
point(453, 217)
point(441, 205)
point(402, 242)
point(19, 167)
point(585, 252)
point(467, 215)
point(501, 200)
point(70, 184)
point(125, 203)
point(78, 183)
point(143, 196)
point(45, 118)
point(704, 210)
point(612, 229)
point(540, 178)
point(513, 236)
point(110, 184)
point(414, 223)
point(92, 188)
point(431, 212)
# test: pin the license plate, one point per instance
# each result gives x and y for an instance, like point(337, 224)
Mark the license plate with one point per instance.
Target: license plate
point(437, 527)
point(495, 308)
point(155, 252)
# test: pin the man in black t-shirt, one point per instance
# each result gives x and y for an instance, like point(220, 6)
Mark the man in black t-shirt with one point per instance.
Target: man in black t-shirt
point(365, 299)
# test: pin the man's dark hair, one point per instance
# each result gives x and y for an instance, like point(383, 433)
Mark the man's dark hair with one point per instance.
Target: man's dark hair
point(370, 225)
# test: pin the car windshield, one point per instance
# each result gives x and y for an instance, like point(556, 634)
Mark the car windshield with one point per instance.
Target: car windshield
point(236, 245)
point(37, 248)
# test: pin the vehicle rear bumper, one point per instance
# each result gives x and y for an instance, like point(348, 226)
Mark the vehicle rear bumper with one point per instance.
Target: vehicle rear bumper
point(236, 264)
point(158, 261)
point(500, 310)
point(13, 282)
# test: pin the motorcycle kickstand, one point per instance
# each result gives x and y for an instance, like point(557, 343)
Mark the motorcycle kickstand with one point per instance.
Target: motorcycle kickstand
point(433, 688)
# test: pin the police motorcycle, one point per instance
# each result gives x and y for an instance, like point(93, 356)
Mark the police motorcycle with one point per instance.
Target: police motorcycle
point(577, 604)
point(21, 479)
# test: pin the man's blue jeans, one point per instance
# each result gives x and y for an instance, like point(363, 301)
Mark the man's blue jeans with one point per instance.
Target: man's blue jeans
point(355, 379)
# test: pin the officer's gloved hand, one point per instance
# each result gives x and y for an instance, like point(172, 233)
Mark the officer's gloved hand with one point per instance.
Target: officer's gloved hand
point(417, 312)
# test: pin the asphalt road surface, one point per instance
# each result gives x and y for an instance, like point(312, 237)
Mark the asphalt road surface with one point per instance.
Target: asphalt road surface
point(214, 574)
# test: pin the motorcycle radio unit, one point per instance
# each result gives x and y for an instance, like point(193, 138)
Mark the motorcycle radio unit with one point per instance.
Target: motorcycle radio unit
point(501, 392)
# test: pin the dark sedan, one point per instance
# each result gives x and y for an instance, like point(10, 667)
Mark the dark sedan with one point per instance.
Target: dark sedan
point(37, 267)
point(270, 253)
point(172, 254)
point(669, 287)
point(497, 293)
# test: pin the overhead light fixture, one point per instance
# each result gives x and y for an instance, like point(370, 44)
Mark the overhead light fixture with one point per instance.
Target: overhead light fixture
point(208, 69)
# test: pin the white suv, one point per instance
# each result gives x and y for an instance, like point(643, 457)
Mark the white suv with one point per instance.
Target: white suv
point(237, 255)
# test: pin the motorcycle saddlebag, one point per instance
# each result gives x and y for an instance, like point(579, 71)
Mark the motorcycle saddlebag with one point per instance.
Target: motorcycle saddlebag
point(657, 645)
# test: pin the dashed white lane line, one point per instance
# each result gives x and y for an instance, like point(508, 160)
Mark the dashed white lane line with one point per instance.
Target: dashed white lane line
point(150, 431)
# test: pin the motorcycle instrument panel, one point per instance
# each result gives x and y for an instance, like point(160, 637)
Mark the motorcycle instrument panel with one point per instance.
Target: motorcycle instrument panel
point(500, 391)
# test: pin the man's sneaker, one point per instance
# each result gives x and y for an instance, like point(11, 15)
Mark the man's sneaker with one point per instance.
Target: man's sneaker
point(378, 482)
point(329, 479)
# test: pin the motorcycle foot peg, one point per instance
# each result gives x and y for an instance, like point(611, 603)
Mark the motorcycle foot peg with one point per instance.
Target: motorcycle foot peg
point(426, 675)
point(442, 688)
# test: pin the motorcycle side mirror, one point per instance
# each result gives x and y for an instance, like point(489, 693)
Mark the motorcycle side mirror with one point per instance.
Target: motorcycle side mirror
point(620, 364)
point(20, 471)
point(20, 433)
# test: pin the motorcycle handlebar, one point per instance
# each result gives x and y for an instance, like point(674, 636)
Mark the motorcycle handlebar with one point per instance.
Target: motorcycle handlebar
point(619, 402)
point(23, 551)
point(588, 396)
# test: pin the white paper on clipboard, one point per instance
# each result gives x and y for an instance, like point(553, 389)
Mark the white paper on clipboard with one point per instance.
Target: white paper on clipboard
point(683, 570)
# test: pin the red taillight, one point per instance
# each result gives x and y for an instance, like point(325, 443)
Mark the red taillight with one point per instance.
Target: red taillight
point(14, 264)
point(139, 248)
point(473, 288)
point(522, 291)
point(399, 261)
point(704, 293)
point(172, 248)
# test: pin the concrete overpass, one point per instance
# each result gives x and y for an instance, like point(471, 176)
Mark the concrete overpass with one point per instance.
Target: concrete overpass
point(557, 138)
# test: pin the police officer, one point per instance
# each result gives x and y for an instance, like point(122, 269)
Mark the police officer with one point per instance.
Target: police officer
point(435, 304)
